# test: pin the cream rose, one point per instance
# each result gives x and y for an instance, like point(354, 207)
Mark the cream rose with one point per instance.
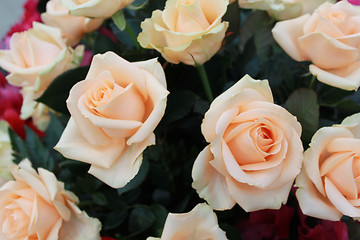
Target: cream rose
point(95, 8)
point(36, 206)
point(186, 31)
point(5, 153)
point(330, 39)
point(35, 58)
point(114, 112)
point(329, 182)
point(73, 27)
point(255, 151)
point(283, 9)
point(199, 223)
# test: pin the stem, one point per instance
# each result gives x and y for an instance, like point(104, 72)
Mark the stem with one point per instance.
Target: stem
point(131, 33)
point(205, 81)
point(312, 84)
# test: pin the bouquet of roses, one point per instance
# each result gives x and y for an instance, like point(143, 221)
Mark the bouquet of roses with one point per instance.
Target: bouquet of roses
point(181, 119)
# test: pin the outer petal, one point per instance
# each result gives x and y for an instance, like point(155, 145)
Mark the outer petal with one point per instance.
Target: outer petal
point(352, 123)
point(128, 164)
point(326, 52)
point(154, 68)
point(74, 145)
point(346, 78)
point(210, 184)
point(199, 223)
point(81, 227)
point(286, 34)
point(255, 198)
point(311, 202)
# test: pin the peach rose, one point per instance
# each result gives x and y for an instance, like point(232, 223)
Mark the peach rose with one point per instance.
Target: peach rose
point(329, 184)
point(95, 8)
point(255, 151)
point(35, 58)
point(5, 153)
point(186, 31)
point(283, 9)
point(330, 39)
point(199, 223)
point(36, 206)
point(73, 27)
point(114, 112)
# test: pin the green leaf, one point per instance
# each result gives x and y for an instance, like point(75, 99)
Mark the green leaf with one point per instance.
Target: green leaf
point(56, 94)
point(139, 6)
point(119, 20)
point(115, 218)
point(331, 96)
point(99, 198)
point(304, 105)
point(179, 105)
point(18, 146)
point(160, 217)
point(141, 219)
point(137, 180)
point(53, 131)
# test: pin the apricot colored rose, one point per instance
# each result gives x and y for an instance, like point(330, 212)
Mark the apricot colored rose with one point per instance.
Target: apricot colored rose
point(254, 151)
point(199, 223)
point(329, 38)
point(283, 9)
point(35, 58)
point(186, 30)
point(329, 183)
point(36, 206)
point(114, 112)
point(95, 8)
point(72, 27)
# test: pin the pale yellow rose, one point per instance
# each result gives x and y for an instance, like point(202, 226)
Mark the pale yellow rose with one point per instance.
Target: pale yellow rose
point(35, 58)
point(36, 206)
point(5, 153)
point(254, 151)
point(95, 8)
point(329, 184)
point(330, 39)
point(200, 223)
point(73, 27)
point(283, 9)
point(114, 112)
point(186, 31)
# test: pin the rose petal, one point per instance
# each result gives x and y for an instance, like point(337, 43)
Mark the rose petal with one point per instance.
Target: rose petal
point(74, 145)
point(352, 123)
point(128, 163)
point(210, 184)
point(312, 202)
point(286, 34)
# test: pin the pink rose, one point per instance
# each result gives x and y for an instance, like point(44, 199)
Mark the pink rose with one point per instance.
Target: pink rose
point(329, 38)
point(36, 206)
point(114, 112)
point(199, 223)
point(329, 182)
point(254, 151)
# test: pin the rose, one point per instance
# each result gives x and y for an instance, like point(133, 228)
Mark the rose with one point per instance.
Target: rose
point(283, 9)
point(95, 8)
point(186, 31)
point(328, 184)
point(329, 38)
point(36, 206)
point(255, 151)
point(114, 112)
point(34, 59)
point(200, 223)
point(5, 153)
point(73, 27)
point(354, 2)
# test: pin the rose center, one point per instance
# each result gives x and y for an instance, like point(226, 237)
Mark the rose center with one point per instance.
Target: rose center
point(15, 221)
point(109, 99)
